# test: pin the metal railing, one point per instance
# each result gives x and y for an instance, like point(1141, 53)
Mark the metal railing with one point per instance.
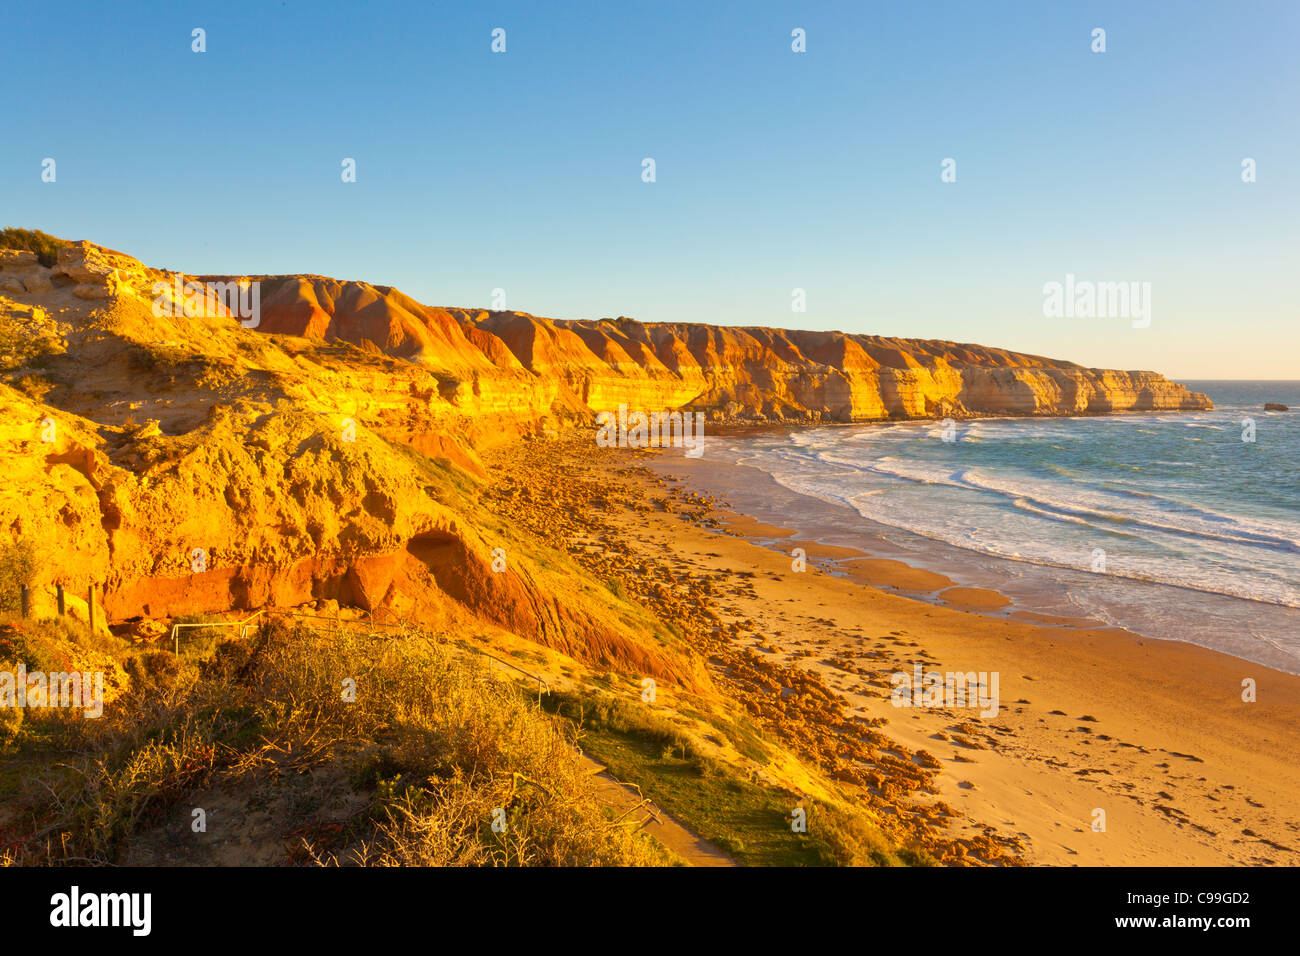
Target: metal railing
point(243, 626)
point(338, 622)
point(542, 685)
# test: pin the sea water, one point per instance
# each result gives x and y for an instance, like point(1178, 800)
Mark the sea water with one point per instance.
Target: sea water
point(1177, 525)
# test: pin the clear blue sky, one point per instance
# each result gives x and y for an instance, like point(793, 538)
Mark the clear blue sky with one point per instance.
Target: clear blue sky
point(775, 170)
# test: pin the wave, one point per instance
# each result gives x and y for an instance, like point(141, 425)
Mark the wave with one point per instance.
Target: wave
point(1261, 587)
point(1235, 531)
point(1196, 521)
point(1214, 556)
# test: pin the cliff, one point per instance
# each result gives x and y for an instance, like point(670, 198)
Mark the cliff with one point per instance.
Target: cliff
point(522, 365)
point(331, 453)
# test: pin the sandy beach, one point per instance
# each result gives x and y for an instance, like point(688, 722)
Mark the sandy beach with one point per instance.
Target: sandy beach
point(1107, 748)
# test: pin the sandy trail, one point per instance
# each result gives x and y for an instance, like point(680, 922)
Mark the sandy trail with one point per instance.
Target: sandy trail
point(662, 826)
point(624, 797)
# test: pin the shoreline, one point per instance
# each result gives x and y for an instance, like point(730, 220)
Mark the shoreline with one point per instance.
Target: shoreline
point(1151, 732)
point(742, 427)
point(1028, 590)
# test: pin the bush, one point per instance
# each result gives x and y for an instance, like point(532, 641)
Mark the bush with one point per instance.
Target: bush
point(17, 568)
point(621, 717)
point(433, 742)
point(45, 246)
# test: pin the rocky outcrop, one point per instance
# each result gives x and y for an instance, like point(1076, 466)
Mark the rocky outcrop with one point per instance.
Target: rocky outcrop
point(773, 374)
point(524, 369)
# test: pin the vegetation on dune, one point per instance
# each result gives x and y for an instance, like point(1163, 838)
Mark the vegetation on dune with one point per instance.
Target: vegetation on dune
point(27, 341)
point(44, 245)
point(750, 821)
point(430, 751)
point(433, 749)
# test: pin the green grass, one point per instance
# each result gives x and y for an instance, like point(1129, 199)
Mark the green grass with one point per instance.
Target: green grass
point(749, 821)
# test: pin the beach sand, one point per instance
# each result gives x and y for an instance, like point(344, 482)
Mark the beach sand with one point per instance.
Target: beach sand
point(1153, 734)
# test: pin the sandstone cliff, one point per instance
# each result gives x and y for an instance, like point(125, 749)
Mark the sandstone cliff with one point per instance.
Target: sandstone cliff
point(185, 463)
point(521, 365)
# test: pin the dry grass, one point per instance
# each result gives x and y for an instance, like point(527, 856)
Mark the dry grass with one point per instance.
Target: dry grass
point(433, 744)
point(44, 245)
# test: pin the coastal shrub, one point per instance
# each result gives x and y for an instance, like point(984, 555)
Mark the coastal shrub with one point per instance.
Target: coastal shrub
point(433, 746)
point(843, 837)
point(622, 717)
point(34, 387)
point(44, 245)
point(11, 717)
point(725, 805)
point(28, 340)
point(17, 568)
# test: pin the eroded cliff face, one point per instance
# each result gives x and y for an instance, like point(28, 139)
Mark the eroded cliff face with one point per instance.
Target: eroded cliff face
point(774, 374)
point(522, 366)
point(185, 463)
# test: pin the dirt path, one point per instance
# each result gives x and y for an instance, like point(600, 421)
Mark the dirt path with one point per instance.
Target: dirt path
point(664, 828)
point(623, 797)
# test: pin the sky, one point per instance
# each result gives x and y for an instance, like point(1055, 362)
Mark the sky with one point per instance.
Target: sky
point(775, 170)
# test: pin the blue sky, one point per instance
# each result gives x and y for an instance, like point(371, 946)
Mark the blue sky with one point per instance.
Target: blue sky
point(775, 170)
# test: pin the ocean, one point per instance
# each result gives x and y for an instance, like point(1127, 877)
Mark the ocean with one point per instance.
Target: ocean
point(1168, 524)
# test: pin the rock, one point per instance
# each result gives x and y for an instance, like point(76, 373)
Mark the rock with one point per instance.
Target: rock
point(285, 503)
point(148, 629)
point(38, 282)
point(12, 259)
point(85, 262)
point(22, 272)
point(78, 610)
point(150, 429)
point(1275, 407)
point(91, 290)
point(525, 366)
